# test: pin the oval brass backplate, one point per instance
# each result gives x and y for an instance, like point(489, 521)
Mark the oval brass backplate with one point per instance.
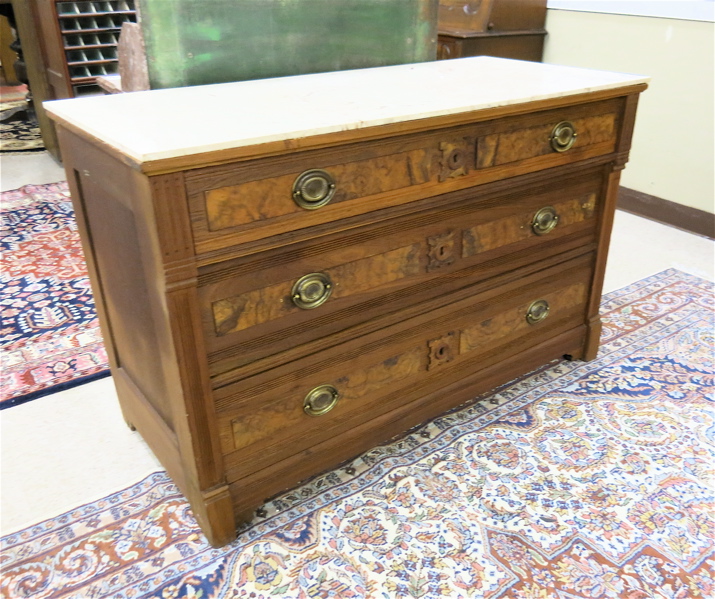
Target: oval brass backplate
point(537, 311)
point(313, 189)
point(320, 400)
point(545, 220)
point(563, 136)
point(311, 290)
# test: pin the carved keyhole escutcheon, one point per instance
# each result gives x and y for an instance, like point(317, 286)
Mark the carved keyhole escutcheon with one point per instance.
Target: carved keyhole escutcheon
point(443, 349)
point(442, 250)
point(455, 158)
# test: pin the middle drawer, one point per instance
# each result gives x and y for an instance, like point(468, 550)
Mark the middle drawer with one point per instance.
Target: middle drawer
point(257, 307)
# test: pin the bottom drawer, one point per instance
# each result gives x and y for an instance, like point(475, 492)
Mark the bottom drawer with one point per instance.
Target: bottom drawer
point(276, 414)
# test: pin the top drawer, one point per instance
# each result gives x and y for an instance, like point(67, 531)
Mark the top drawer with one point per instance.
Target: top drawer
point(253, 205)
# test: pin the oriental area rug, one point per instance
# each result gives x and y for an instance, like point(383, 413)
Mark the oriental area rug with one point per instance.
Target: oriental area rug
point(578, 480)
point(18, 135)
point(49, 328)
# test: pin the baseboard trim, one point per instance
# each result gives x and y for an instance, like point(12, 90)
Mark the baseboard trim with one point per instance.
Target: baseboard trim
point(670, 213)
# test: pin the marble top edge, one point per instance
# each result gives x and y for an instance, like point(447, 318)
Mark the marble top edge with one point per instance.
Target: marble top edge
point(162, 124)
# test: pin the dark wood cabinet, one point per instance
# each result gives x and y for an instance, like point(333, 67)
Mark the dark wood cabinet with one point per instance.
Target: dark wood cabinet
point(504, 28)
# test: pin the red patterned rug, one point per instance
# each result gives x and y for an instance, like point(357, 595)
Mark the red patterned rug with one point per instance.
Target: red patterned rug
point(50, 334)
point(580, 480)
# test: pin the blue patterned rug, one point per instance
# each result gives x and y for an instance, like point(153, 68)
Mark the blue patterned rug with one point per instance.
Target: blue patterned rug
point(50, 331)
point(579, 480)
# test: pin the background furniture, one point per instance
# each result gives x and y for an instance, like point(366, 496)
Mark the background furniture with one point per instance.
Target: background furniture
point(8, 56)
point(23, 14)
point(321, 262)
point(80, 42)
point(193, 42)
point(66, 45)
point(505, 28)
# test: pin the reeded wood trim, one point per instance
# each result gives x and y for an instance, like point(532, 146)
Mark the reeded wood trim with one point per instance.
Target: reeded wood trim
point(628, 122)
point(610, 195)
point(192, 373)
point(174, 251)
point(669, 213)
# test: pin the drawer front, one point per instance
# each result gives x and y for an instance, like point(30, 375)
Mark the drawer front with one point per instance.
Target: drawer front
point(280, 412)
point(258, 307)
point(257, 204)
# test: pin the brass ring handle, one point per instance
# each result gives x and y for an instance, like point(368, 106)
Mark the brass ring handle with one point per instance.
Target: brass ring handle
point(545, 220)
point(563, 136)
point(320, 400)
point(537, 311)
point(311, 290)
point(313, 189)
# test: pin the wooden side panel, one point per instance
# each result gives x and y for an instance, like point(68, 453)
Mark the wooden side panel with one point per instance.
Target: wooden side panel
point(143, 276)
point(102, 193)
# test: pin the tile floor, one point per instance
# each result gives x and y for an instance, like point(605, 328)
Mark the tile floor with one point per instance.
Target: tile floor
point(73, 447)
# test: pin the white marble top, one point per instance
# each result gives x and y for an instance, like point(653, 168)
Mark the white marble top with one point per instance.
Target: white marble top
point(161, 124)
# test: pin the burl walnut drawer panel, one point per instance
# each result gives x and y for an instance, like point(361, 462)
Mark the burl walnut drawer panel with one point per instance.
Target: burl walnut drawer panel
point(277, 198)
point(281, 412)
point(258, 306)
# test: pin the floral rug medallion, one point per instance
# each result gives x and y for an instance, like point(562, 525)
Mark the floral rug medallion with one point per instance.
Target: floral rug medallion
point(580, 480)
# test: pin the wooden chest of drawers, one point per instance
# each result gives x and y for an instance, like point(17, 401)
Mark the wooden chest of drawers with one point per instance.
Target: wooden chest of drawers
point(322, 262)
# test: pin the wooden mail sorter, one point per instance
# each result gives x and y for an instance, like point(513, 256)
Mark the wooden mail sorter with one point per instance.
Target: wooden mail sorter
point(290, 271)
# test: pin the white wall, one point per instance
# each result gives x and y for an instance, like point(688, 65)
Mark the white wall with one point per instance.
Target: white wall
point(673, 153)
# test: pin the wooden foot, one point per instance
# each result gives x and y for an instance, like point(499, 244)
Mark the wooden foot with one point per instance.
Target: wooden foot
point(215, 516)
point(593, 338)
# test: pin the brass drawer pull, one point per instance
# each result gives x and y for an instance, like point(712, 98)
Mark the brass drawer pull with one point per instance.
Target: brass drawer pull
point(313, 189)
point(320, 400)
point(545, 220)
point(311, 290)
point(563, 136)
point(537, 311)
